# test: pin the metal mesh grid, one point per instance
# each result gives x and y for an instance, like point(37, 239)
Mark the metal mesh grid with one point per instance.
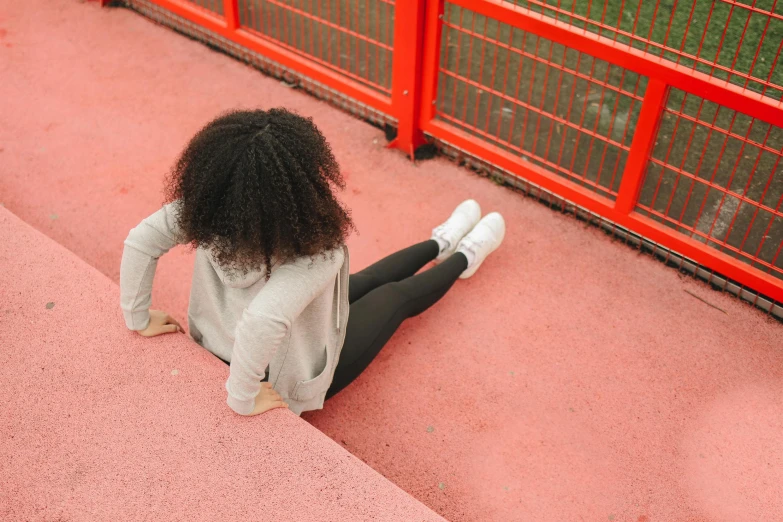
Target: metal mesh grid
point(561, 109)
point(352, 37)
point(670, 257)
point(213, 6)
point(716, 175)
point(264, 64)
point(735, 40)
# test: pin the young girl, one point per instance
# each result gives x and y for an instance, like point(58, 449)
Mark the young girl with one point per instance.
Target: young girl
point(271, 294)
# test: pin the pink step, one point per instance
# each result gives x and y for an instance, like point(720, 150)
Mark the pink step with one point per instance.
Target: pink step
point(99, 423)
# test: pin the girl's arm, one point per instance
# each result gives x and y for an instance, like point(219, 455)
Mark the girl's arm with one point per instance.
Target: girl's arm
point(265, 323)
point(152, 238)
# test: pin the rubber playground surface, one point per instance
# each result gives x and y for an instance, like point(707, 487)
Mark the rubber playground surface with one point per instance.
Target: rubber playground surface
point(571, 379)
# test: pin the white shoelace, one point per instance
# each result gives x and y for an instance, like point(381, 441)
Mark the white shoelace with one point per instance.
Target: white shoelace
point(441, 232)
point(447, 232)
point(470, 248)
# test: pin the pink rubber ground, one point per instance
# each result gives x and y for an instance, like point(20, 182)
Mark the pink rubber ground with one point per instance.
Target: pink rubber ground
point(570, 379)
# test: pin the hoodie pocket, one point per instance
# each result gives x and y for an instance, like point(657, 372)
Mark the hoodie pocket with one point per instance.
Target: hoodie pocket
point(309, 388)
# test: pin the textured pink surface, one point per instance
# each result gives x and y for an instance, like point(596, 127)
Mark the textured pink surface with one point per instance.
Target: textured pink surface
point(100, 424)
point(570, 379)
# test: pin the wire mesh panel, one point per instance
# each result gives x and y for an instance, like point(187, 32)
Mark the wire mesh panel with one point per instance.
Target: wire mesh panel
point(560, 109)
point(214, 6)
point(735, 40)
point(352, 37)
point(717, 176)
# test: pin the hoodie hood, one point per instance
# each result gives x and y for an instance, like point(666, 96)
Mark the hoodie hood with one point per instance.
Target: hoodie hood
point(233, 278)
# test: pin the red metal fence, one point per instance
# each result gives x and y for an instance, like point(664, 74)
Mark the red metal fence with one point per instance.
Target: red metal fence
point(664, 117)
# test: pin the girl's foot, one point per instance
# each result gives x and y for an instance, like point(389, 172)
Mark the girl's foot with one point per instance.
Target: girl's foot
point(462, 220)
point(484, 239)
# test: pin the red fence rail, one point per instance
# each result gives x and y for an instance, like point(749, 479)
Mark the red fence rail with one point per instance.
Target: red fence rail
point(663, 117)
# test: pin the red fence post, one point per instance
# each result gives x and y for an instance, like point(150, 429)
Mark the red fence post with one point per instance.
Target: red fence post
point(433, 30)
point(231, 13)
point(641, 146)
point(406, 73)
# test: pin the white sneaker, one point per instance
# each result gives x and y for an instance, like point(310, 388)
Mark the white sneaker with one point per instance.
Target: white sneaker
point(484, 239)
point(462, 221)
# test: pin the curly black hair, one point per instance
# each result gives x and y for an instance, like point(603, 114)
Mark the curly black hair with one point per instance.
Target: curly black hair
point(254, 187)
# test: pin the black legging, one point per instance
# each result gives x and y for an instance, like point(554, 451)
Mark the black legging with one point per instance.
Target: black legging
point(382, 296)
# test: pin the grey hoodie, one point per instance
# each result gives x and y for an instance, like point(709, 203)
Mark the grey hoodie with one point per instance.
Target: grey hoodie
point(293, 324)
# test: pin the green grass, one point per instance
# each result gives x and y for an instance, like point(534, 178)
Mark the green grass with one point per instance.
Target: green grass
point(714, 34)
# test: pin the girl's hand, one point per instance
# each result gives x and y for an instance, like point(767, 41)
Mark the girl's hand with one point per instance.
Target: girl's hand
point(267, 399)
point(160, 323)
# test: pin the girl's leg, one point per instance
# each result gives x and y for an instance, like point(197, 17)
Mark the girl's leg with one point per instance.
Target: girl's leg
point(376, 315)
point(406, 263)
point(396, 267)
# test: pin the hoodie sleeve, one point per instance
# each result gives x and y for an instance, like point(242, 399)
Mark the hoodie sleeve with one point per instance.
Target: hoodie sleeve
point(267, 320)
point(152, 238)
